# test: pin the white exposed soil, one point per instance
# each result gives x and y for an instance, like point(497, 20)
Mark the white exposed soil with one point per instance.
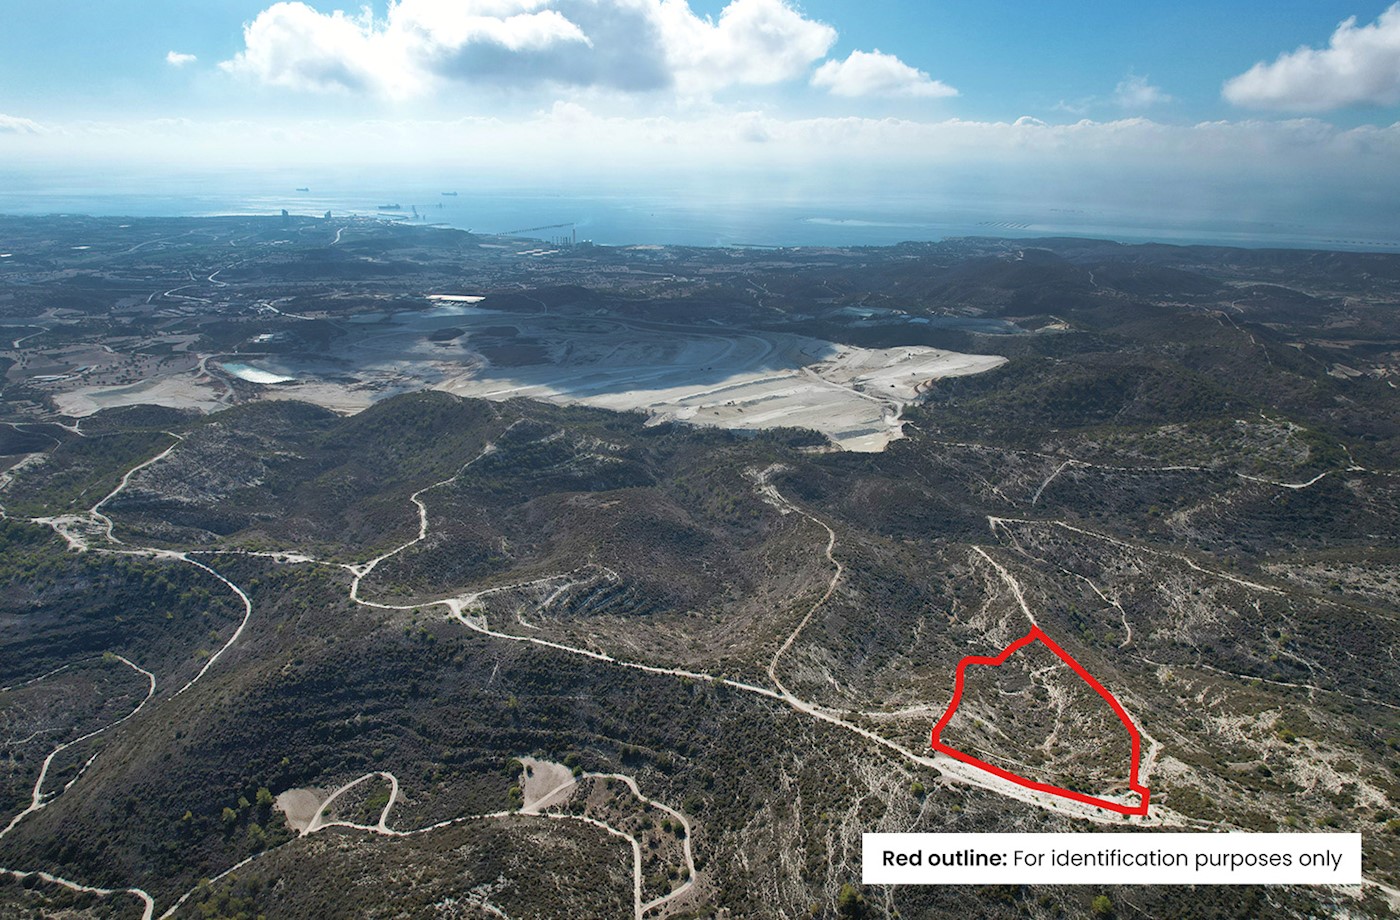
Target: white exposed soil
point(543, 780)
point(300, 807)
point(702, 375)
point(183, 392)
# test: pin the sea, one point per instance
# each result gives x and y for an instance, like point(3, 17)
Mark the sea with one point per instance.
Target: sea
point(688, 216)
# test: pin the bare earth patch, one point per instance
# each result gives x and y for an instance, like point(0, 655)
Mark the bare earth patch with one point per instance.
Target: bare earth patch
point(541, 778)
point(300, 806)
point(718, 376)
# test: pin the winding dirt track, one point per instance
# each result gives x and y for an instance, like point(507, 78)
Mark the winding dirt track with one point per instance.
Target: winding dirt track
point(381, 827)
point(148, 903)
point(78, 531)
point(247, 615)
point(38, 799)
point(96, 510)
point(459, 607)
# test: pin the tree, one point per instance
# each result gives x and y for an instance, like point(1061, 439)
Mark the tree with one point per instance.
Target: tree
point(1101, 906)
point(850, 902)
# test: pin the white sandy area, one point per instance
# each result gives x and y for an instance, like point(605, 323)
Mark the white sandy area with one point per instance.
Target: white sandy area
point(456, 298)
point(345, 399)
point(299, 806)
point(901, 373)
point(176, 392)
point(736, 379)
point(741, 381)
point(543, 777)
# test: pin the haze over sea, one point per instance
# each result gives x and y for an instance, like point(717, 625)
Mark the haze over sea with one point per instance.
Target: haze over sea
point(744, 214)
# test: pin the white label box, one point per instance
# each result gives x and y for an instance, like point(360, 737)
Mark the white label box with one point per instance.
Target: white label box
point(1149, 858)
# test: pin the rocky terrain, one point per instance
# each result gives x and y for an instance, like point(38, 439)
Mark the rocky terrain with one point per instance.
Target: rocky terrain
point(261, 656)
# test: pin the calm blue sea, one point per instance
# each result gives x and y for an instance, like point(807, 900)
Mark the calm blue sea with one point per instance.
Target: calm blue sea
point(684, 216)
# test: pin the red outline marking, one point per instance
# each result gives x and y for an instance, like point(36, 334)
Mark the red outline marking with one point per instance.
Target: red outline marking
point(1038, 635)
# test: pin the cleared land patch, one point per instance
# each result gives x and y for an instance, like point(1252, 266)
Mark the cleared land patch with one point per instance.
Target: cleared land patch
point(717, 376)
point(1057, 699)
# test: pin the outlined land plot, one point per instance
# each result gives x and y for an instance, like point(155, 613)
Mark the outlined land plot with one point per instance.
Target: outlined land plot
point(1035, 716)
point(1262, 705)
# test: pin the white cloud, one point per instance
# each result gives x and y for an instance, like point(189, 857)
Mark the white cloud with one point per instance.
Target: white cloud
point(9, 124)
point(1359, 66)
point(1075, 107)
point(1135, 92)
point(754, 41)
point(293, 45)
point(820, 151)
point(631, 45)
point(179, 59)
point(873, 73)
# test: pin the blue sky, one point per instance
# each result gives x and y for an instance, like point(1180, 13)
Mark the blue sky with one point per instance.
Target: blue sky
point(1006, 58)
point(1229, 100)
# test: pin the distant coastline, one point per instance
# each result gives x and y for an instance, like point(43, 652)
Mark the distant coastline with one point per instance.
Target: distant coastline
point(620, 220)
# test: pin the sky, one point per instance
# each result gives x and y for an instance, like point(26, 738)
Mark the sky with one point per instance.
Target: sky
point(1288, 99)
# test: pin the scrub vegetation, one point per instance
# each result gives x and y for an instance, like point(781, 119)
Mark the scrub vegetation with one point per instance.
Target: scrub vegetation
point(329, 651)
